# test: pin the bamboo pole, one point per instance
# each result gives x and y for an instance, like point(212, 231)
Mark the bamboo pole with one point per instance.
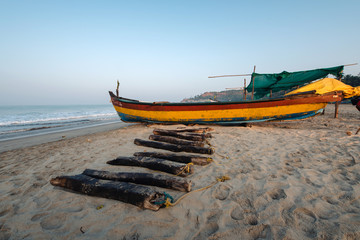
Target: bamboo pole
point(336, 109)
point(253, 81)
point(117, 88)
point(244, 89)
point(352, 64)
point(241, 75)
point(337, 104)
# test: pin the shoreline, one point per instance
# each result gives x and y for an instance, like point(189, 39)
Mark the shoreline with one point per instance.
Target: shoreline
point(47, 137)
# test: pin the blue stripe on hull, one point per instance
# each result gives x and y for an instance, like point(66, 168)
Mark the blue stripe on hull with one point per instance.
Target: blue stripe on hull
point(225, 121)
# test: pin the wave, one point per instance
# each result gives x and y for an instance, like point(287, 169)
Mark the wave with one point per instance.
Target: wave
point(57, 120)
point(26, 130)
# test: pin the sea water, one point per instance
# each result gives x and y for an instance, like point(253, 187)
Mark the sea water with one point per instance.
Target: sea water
point(18, 121)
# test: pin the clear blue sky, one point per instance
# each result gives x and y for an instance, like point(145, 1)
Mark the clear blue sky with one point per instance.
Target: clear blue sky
point(72, 52)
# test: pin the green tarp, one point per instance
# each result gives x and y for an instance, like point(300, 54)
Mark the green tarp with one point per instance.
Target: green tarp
point(263, 83)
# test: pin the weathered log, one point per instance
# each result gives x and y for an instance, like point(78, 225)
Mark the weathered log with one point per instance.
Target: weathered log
point(175, 140)
point(203, 135)
point(194, 130)
point(159, 180)
point(179, 135)
point(173, 147)
point(195, 159)
point(138, 195)
point(154, 164)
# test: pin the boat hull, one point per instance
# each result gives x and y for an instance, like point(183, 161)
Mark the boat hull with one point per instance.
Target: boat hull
point(224, 113)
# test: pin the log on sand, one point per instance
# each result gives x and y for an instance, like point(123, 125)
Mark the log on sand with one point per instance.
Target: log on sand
point(194, 130)
point(175, 140)
point(195, 159)
point(189, 136)
point(138, 195)
point(203, 135)
point(173, 147)
point(159, 180)
point(154, 164)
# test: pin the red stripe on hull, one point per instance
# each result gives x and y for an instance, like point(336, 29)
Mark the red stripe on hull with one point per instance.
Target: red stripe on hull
point(222, 106)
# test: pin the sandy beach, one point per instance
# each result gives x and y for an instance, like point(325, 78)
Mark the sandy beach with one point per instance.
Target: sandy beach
point(288, 180)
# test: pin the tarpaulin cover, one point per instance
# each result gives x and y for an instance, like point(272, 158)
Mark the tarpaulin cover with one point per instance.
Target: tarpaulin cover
point(263, 83)
point(327, 85)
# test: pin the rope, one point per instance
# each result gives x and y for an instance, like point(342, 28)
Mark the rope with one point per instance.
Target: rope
point(169, 201)
point(213, 148)
point(186, 169)
point(222, 155)
point(212, 160)
point(208, 142)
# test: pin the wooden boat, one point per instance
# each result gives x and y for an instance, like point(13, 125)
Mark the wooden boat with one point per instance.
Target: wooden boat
point(293, 107)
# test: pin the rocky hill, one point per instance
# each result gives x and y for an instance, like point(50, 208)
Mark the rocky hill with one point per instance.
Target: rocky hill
point(229, 95)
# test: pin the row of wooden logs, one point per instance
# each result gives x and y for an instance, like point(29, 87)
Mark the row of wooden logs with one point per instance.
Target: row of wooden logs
point(124, 186)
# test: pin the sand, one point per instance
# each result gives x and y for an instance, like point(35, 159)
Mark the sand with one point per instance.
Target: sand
point(293, 180)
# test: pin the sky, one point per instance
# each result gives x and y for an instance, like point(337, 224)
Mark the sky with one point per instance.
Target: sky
point(73, 52)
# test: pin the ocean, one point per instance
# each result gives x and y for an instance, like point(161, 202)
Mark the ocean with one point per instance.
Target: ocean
point(23, 121)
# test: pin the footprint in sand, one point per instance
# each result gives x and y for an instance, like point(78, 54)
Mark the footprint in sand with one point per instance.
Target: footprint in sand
point(37, 217)
point(251, 219)
point(262, 231)
point(330, 200)
point(287, 215)
point(5, 232)
point(41, 201)
point(244, 203)
point(248, 216)
point(53, 221)
point(276, 193)
point(74, 209)
point(5, 209)
point(237, 213)
point(211, 225)
point(305, 221)
point(221, 192)
point(325, 210)
point(208, 230)
point(245, 211)
point(352, 236)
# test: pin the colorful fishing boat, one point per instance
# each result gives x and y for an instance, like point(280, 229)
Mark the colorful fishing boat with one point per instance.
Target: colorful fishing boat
point(299, 104)
point(293, 107)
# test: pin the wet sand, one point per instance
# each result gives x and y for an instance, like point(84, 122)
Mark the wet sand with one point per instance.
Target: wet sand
point(28, 141)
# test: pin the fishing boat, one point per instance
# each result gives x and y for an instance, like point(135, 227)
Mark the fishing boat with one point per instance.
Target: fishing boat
point(295, 106)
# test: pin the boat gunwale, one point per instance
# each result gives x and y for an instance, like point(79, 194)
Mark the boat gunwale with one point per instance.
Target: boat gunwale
point(289, 97)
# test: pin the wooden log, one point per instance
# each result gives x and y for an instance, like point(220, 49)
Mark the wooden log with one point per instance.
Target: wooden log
point(195, 159)
point(178, 135)
point(138, 195)
point(336, 114)
point(175, 140)
point(173, 147)
point(159, 180)
point(194, 130)
point(204, 135)
point(154, 164)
